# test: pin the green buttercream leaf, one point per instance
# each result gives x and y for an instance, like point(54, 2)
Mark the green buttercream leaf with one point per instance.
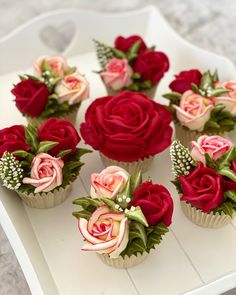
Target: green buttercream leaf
point(226, 207)
point(137, 215)
point(230, 194)
point(174, 97)
point(110, 203)
point(136, 180)
point(31, 135)
point(82, 214)
point(63, 153)
point(133, 51)
point(45, 146)
point(195, 89)
point(88, 202)
point(118, 53)
point(23, 154)
point(228, 173)
point(219, 91)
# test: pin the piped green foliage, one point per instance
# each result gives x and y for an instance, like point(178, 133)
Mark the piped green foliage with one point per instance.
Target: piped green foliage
point(11, 171)
point(182, 161)
point(142, 236)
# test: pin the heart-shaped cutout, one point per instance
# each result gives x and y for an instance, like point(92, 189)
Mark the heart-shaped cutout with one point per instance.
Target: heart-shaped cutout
point(58, 38)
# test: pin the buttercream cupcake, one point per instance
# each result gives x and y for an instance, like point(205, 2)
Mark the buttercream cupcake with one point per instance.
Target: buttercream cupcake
point(131, 65)
point(128, 130)
point(40, 165)
point(56, 90)
point(206, 180)
point(123, 218)
point(201, 105)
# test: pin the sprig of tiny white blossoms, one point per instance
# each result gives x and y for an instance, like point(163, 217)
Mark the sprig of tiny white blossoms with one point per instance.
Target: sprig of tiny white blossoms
point(122, 202)
point(182, 161)
point(11, 171)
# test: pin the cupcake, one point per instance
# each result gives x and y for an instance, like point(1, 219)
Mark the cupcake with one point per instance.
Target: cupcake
point(201, 105)
point(40, 164)
point(128, 130)
point(56, 90)
point(131, 65)
point(206, 180)
point(123, 218)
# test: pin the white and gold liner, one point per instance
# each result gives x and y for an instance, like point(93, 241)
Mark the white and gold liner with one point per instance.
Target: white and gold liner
point(208, 220)
point(120, 262)
point(131, 167)
point(70, 116)
point(46, 200)
point(150, 93)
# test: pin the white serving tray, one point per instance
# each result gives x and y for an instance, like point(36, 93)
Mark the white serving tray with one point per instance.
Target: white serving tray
point(190, 260)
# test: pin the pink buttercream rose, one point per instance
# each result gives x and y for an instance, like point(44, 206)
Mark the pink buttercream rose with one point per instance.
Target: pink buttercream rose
point(228, 99)
point(194, 110)
point(105, 231)
point(46, 173)
point(215, 146)
point(57, 63)
point(118, 74)
point(109, 182)
point(72, 88)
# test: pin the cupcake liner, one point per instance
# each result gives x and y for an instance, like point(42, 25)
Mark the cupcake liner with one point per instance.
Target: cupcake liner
point(131, 167)
point(208, 220)
point(45, 200)
point(185, 136)
point(37, 121)
point(120, 262)
point(149, 92)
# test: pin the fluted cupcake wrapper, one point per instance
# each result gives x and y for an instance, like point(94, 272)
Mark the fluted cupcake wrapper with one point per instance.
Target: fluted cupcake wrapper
point(149, 92)
point(120, 262)
point(45, 200)
point(202, 219)
point(131, 167)
point(37, 121)
point(185, 136)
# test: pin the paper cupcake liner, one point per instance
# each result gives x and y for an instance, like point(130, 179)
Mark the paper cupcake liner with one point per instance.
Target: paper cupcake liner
point(37, 121)
point(46, 200)
point(185, 136)
point(149, 92)
point(120, 262)
point(131, 167)
point(202, 219)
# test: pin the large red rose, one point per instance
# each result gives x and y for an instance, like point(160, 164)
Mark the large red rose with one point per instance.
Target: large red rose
point(124, 44)
point(31, 97)
point(183, 81)
point(61, 131)
point(127, 127)
point(155, 202)
point(202, 188)
point(13, 139)
point(151, 65)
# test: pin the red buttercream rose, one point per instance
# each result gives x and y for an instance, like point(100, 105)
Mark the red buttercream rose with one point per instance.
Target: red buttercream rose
point(127, 127)
point(151, 65)
point(61, 131)
point(183, 81)
point(155, 202)
point(31, 97)
point(124, 44)
point(202, 188)
point(13, 139)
